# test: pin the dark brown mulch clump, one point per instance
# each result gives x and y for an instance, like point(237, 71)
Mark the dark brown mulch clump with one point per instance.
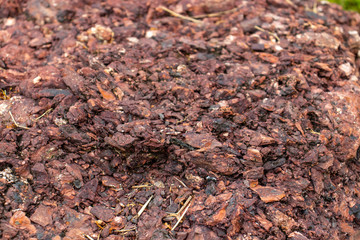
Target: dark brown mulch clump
point(243, 120)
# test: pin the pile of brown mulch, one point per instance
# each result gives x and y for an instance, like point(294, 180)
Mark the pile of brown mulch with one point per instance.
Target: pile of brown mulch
point(179, 119)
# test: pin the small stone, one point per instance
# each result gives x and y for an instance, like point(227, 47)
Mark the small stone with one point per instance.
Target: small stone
point(102, 33)
point(346, 69)
point(354, 40)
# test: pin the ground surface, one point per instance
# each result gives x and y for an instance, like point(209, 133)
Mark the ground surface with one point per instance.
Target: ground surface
point(115, 115)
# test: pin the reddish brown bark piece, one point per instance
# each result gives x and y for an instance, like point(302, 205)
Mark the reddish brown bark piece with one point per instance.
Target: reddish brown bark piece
point(102, 213)
point(76, 223)
point(40, 174)
point(72, 80)
point(201, 232)
point(43, 215)
point(120, 140)
point(206, 141)
point(297, 236)
point(320, 39)
point(20, 221)
point(110, 182)
point(269, 194)
point(88, 191)
point(281, 220)
point(317, 180)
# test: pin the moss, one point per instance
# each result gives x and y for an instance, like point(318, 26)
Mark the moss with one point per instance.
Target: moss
point(348, 4)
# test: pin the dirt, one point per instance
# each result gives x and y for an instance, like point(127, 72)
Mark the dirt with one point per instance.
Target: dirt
point(179, 119)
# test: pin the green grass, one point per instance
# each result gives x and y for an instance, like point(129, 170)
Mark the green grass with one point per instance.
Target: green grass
point(348, 4)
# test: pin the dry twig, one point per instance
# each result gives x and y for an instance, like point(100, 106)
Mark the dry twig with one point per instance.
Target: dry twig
point(216, 14)
point(180, 16)
point(125, 230)
point(143, 207)
point(42, 115)
point(4, 95)
point(182, 183)
point(146, 185)
point(182, 215)
point(182, 210)
point(290, 2)
point(88, 237)
point(268, 32)
point(16, 124)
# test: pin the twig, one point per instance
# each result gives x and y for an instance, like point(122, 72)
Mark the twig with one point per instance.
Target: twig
point(182, 216)
point(125, 230)
point(88, 237)
point(180, 16)
point(146, 185)
point(268, 32)
point(144, 206)
point(216, 14)
point(313, 132)
point(99, 223)
point(185, 204)
point(290, 2)
point(4, 96)
point(176, 215)
point(315, 7)
point(42, 115)
point(16, 124)
point(182, 183)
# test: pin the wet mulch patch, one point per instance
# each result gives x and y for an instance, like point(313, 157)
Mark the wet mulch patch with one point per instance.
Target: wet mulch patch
point(176, 119)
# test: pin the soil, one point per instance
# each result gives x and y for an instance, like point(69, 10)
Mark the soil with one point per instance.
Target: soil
point(179, 119)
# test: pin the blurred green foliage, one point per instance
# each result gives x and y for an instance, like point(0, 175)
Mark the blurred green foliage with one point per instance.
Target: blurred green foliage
point(348, 4)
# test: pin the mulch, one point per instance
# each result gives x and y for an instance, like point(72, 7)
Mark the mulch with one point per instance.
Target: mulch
point(179, 119)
